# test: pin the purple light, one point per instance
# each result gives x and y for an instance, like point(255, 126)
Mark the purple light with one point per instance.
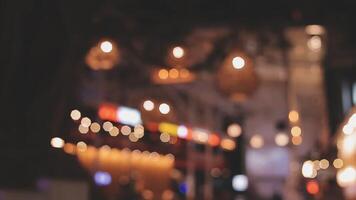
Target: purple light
point(183, 188)
point(102, 178)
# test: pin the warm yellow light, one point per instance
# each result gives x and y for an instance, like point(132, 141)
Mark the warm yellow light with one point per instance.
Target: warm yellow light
point(238, 62)
point(297, 140)
point(106, 46)
point(75, 114)
point(57, 142)
point(169, 128)
point(338, 163)
point(148, 105)
point(139, 131)
point(163, 74)
point(81, 146)
point(173, 73)
point(346, 177)
point(125, 130)
point(82, 129)
point(256, 141)
point(228, 144)
point(314, 30)
point(314, 43)
point(95, 127)
point(164, 108)
point(107, 126)
point(178, 52)
point(114, 131)
point(308, 170)
point(234, 130)
point(281, 139)
point(164, 137)
point(316, 164)
point(324, 164)
point(200, 136)
point(85, 122)
point(132, 137)
point(293, 116)
point(296, 131)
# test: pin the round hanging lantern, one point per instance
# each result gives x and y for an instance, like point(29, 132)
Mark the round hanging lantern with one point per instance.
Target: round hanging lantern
point(236, 77)
point(103, 56)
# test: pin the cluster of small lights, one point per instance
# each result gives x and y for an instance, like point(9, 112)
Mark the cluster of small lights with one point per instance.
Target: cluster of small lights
point(310, 168)
point(296, 131)
point(163, 108)
point(256, 141)
point(173, 74)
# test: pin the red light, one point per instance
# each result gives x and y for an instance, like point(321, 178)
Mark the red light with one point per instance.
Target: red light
point(214, 140)
point(312, 187)
point(108, 112)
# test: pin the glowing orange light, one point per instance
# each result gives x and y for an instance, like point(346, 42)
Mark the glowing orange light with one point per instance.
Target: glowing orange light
point(297, 140)
point(312, 187)
point(108, 112)
point(163, 74)
point(69, 148)
point(228, 144)
point(184, 73)
point(293, 116)
point(214, 140)
point(173, 73)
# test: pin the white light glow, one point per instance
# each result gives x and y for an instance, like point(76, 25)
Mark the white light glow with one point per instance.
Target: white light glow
point(178, 52)
point(164, 108)
point(148, 105)
point(57, 142)
point(238, 62)
point(240, 183)
point(106, 46)
point(182, 131)
point(346, 177)
point(129, 116)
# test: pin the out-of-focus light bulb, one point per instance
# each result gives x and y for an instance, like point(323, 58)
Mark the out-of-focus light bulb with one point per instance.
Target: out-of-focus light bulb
point(314, 43)
point(338, 163)
point(125, 130)
point(256, 141)
point(324, 164)
point(107, 126)
point(240, 183)
point(148, 105)
point(114, 131)
point(75, 114)
point(82, 129)
point(297, 140)
point(164, 108)
point(178, 52)
point(163, 74)
point(95, 127)
point(57, 142)
point(296, 131)
point(238, 62)
point(234, 130)
point(182, 131)
point(308, 170)
point(293, 116)
point(346, 177)
point(164, 137)
point(102, 178)
point(81, 146)
point(132, 137)
point(173, 73)
point(228, 144)
point(314, 30)
point(106, 46)
point(312, 187)
point(85, 122)
point(281, 139)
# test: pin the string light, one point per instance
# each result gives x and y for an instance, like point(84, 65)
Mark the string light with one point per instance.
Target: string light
point(85, 122)
point(81, 146)
point(107, 126)
point(82, 129)
point(338, 163)
point(164, 137)
point(324, 164)
point(293, 116)
point(297, 140)
point(296, 131)
point(125, 130)
point(163, 74)
point(308, 170)
point(173, 73)
point(114, 131)
point(281, 139)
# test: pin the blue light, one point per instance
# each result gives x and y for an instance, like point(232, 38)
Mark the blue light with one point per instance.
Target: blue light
point(102, 178)
point(183, 188)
